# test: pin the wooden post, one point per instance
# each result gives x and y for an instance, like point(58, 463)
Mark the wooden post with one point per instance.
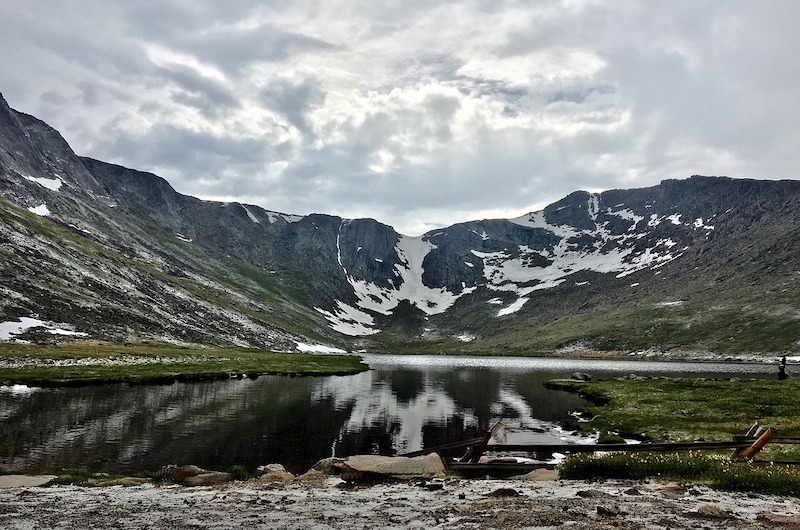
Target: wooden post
point(757, 446)
point(475, 453)
point(752, 432)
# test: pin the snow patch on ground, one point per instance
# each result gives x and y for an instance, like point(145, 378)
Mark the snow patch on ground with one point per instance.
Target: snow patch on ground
point(8, 330)
point(317, 348)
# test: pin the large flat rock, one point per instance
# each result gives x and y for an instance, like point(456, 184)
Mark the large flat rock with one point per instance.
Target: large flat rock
point(24, 481)
point(365, 467)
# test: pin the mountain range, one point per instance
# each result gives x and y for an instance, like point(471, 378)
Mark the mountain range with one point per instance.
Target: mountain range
point(94, 250)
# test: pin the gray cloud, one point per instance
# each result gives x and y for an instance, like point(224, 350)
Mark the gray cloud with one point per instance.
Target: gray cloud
point(233, 50)
point(293, 100)
point(419, 114)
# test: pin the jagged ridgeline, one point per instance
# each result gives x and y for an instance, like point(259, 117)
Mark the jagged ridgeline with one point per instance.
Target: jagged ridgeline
point(106, 252)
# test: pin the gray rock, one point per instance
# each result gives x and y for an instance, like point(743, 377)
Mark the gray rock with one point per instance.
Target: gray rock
point(274, 473)
point(180, 474)
point(211, 478)
point(329, 466)
point(25, 481)
point(581, 376)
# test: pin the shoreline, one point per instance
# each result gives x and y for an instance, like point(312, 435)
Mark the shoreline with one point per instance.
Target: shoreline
point(326, 503)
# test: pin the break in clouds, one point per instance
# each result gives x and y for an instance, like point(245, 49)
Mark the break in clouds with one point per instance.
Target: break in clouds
point(418, 114)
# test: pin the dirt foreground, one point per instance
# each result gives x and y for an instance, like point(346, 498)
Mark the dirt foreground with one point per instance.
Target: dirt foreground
point(328, 502)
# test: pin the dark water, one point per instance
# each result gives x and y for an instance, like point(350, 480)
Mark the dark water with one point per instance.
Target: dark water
point(402, 404)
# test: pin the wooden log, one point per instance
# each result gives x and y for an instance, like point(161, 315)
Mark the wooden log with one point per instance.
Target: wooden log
point(590, 448)
point(751, 433)
point(496, 468)
point(444, 447)
point(757, 446)
point(475, 453)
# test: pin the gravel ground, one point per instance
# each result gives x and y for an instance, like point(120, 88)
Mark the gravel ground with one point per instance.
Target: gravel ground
point(451, 503)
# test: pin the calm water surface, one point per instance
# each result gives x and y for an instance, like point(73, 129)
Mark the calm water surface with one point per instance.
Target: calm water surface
point(403, 403)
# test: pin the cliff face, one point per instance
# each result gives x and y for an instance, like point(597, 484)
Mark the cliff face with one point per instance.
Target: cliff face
point(119, 254)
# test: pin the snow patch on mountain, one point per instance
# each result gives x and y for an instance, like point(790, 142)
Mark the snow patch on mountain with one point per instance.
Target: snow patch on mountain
point(9, 330)
point(53, 184)
point(610, 253)
point(698, 223)
point(348, 320)
point(251, 215)
point(626, 214)
point(41, 210)
point(408, 274)
point(513, 308)
point(289, 218)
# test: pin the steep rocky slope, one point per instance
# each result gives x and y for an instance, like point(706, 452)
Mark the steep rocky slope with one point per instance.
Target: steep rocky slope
point(97, 249)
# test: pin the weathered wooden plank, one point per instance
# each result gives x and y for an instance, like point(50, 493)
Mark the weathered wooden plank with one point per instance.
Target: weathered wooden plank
point(499, 468)
point(444, 447)
point(589, 448)
point(756, 446)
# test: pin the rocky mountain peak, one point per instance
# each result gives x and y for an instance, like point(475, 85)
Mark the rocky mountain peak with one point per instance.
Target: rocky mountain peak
point(118, 254)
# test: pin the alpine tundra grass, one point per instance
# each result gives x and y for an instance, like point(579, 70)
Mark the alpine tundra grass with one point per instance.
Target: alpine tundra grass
point(659, 409)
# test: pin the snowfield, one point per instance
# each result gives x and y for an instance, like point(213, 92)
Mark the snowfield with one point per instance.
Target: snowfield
point(517, 270)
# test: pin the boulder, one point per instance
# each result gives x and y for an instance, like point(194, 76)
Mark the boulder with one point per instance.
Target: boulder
point(540, 475)
point(329, 466)
point(211, 478)
point(180, 474)
point(274, 473)
point(361, 468)
point(313, 476)
point(581, 376)
point(25, 481)
point(124, 481)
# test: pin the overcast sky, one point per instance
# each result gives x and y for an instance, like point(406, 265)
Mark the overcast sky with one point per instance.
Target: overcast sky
point(416, 113)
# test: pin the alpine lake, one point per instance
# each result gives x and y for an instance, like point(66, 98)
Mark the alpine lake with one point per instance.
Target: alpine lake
point(402, 404)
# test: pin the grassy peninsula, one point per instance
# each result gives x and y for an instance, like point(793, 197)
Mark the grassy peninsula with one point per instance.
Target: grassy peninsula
point(82, 363)
point(659, 409)
point(665, 409)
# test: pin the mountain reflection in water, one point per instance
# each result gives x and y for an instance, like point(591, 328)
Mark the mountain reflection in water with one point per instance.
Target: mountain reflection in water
point(398, 406)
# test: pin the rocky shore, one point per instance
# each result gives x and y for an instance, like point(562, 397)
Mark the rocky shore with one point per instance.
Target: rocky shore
point(365, 499)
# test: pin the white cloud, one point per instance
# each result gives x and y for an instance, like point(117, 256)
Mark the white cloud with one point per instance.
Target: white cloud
point(418, 114)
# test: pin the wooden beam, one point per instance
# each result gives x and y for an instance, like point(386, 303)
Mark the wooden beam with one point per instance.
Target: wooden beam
point(444, 447)
point(757, 446)
point(590, 448)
